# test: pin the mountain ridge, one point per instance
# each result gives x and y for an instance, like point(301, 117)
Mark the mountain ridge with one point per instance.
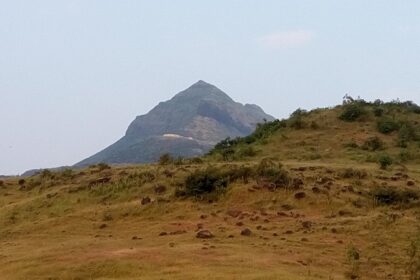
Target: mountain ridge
point(200, 115)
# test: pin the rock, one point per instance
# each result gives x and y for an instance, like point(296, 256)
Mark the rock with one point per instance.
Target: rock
point(307, 224)
point(163, 233)
point(145, 200)
point(316, 190)
point(103, 226)
point(203, 217)
point(410, 183)
point(239, 224)
point(246, 232)
point(234, 213)
point(178, 232)
point(300, 195)
point(204, 234)
point(160, 189)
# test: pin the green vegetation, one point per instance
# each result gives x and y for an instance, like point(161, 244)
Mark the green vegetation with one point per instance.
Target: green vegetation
point(385, 161)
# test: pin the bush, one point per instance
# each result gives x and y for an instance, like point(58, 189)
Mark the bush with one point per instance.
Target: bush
point(243, 173)
point(373, 144)
point(268, 170)
point(165, 159)
point(353, 173)
point(21, 182)
point(405, 135)
point(205, 181)
point(384, 161)
point(248, 151)
point(378, 111)
point(388, 195)
point(103, 166)
point(352, 112)
point(387, 125)
point(351, 144)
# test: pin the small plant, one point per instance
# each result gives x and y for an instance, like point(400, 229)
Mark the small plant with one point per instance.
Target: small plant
point(248, 151)
point(413, 266)
point(387, 125)
point(378, 111)
point(268, 170)
point(385, 161)
point(373, 144)
point(352, 112)
point(351, 144)
point(165, 159)
point(389, 195)
point(21, 182)
point(353, 258)
point(353, 173)
point(204, 182)
point(102, 166)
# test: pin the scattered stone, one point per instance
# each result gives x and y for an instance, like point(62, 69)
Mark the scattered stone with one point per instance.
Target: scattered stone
point(231, 236)
point(234, 213)
point(172, 244)
point(300, 195)
point(103, 226)
point(307, 224)
point(246, 232)
point(334, 230)
point(159, 189)
point(288, 232)
point(410, 183)
point(163, 233)
point(304, 239)
point(204, 234)
point(177, 232)
point(275, 234)
point(203, 217)
point(287, 207)
point(239, 224)
point(135, 238)
point(344, 213)
point(146, 200)
point(316, 190)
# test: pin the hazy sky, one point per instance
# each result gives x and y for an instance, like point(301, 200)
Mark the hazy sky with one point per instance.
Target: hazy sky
point(75, 73)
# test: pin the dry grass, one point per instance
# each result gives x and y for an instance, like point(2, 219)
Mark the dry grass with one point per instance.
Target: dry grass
point(56, 230)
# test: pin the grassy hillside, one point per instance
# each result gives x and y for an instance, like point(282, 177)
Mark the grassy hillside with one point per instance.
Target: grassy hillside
point(303, 198)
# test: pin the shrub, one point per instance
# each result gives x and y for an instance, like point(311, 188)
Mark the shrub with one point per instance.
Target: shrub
point(351, 144)
point(196, 160)
point(268, 170)
point(378, 111)
point(46, 173)
point(205, 181)
point(373, 144)
point(388, 195)
point(352, 112)
point(1, 183)
point(387, 125)
point(384, 161)
point(353, 173)
point(405, 135)
point(165, 159)
point(240, 173)
point(248, 151)
point(21, 182)
point(413, 267)
point(405, 155)
point(103, 166)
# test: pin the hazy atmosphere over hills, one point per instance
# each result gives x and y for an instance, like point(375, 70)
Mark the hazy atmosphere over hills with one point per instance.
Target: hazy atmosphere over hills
point(74, 74)
point(188, 125)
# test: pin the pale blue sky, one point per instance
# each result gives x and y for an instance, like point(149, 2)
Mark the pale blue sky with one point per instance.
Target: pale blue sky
point(75, 73)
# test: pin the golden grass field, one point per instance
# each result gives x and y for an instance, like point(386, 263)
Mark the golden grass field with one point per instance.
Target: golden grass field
point(80, 226)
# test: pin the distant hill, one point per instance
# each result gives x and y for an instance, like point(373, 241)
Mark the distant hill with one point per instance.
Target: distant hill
point(187, 125)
